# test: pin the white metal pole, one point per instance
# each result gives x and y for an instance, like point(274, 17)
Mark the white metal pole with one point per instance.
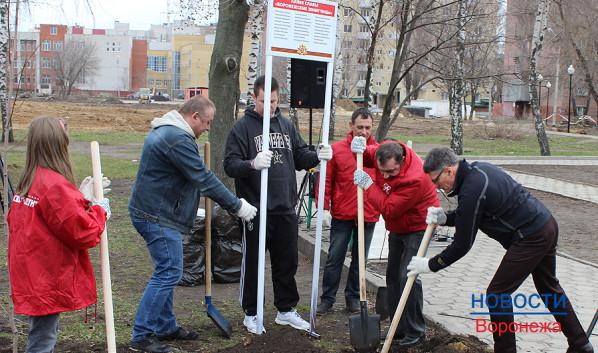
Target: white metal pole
point(261, 263)
point(322, 185)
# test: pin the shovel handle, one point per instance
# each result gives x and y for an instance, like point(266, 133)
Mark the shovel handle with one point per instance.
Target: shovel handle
point(423, 248)
point(360, 235)
point(208, 226)
point(98, 191)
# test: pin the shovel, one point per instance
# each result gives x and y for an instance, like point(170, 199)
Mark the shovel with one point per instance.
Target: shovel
point(364, 329)
point(423, 248)
point(213, 313)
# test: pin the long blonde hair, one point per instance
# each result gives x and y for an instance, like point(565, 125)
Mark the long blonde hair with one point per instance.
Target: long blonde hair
point(47, 146)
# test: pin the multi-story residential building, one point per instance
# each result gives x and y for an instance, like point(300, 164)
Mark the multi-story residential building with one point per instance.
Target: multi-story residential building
point(51, 38)
point(26, 66)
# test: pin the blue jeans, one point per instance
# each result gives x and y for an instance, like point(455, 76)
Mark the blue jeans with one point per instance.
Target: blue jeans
point(43, 331)
point(340, 235)
point(155, 315)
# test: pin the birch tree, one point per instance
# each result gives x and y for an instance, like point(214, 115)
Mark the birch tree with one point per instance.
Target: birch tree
point(256, 28)
point(4, 71)
point(537, 41)
point(456, 91)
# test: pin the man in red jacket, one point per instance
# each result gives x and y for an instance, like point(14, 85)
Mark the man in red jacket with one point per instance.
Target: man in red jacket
point(402, 192)
point(340, 213)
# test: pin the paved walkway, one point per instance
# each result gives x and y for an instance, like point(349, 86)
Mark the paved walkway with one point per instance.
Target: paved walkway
point(448, 292)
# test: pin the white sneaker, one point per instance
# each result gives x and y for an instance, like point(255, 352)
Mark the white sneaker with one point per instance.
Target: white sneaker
point(293, 319)
point(250, 323)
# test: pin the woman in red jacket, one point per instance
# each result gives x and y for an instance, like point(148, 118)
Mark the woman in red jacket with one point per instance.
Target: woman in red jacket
point(51, 226)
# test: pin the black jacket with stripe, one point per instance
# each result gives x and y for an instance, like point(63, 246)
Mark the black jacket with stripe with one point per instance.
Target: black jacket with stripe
point(489, 200)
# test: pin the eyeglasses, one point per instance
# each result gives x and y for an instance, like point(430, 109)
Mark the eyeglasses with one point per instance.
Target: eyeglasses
point(435, 180)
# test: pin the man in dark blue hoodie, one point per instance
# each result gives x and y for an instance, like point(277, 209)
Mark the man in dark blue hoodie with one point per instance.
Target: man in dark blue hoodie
point(243, 161)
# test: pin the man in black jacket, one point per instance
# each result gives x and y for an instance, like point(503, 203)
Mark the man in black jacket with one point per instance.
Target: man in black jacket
point(490, 200)
point(243, 161)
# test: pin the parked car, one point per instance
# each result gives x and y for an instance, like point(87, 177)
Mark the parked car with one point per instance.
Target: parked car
point(144, 95)
point(160, 97)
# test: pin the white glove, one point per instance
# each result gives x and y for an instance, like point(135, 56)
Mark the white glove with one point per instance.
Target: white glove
point(362, 179)
point(358, 144)
point(105, 203)
point(436, 215)
point(246, 212)
point(324, 152)
point(418, 265)
point(262, 160)
point(86, 187)
point(326, 219)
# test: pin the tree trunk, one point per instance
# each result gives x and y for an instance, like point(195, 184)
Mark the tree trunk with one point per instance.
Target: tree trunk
point(224, 78)
point(473, 90)
point(367, 94)
point(4, 72)
point(457, 91)
point(537, 41)
point(256, 26)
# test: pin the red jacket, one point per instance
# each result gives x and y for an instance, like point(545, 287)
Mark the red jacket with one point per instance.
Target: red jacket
point(340, 196)
point(49, 233)
point(404, 199)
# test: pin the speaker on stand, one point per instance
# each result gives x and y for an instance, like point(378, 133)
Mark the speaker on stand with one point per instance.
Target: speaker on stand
point(308, 90)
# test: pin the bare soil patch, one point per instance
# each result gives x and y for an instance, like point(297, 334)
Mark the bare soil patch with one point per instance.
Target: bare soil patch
point(584, 174)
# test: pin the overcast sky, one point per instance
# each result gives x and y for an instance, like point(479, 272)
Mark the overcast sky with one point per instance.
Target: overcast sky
point(139, 13)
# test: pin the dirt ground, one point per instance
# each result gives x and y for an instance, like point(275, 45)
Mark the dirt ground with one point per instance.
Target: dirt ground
point(584, 174)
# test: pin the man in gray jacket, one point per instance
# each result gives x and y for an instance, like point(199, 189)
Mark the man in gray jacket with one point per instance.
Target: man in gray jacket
point(163, 206)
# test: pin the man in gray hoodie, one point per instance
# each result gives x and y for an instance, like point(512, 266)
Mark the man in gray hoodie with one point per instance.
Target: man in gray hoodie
point(163, 205)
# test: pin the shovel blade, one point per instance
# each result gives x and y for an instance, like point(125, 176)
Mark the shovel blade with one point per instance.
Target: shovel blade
point(365, 332)
point(219, 321)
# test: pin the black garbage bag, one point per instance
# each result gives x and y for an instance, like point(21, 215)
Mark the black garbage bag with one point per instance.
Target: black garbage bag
point(194, 255)
point(226, 250)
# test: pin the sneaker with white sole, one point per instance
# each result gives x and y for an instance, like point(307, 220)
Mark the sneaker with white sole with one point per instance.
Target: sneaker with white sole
point(250, 323)
point(293, 319)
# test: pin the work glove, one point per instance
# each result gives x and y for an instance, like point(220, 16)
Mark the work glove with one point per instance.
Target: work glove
point(436, 215)
point(362, 179)
point(324, 152)
point(418, 265)
point(247, 211)
point(326, 219)
point(105, 203)
point(86, 187)
point(262, 160)
point(358, 144)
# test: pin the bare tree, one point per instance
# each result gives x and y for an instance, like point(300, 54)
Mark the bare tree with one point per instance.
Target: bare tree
point(537, 41)
point(256, 27)
point(224, 73)
point(77, 60)
point(456, 93)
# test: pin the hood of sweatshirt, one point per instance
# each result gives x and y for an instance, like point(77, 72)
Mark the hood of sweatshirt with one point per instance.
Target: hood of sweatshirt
point(173, 118)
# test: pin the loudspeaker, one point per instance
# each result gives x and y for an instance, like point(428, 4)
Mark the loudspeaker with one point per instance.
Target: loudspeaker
point(308, 83)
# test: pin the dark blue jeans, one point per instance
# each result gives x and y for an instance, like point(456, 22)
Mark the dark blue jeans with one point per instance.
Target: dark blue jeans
point(401, 248)
point(340, 235)
point(155, 313)
point(43, 331)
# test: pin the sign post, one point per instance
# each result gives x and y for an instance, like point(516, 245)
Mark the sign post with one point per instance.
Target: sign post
point(301, 29)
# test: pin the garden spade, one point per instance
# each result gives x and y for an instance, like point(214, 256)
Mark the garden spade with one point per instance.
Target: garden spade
point(213, 313)
point(364, 329)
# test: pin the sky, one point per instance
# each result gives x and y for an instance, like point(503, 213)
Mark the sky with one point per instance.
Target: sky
point(138, 13)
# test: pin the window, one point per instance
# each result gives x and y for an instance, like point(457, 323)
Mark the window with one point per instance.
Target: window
point(156, 63)
point(580, 111)
point(361, 75)
point(581, 91)
point(363, 28)
point(366, 12)
point(344, 92)
point(348, 28)
point(46, 80)
point(347, 12)
point(158, 82)
point(150, 82)
point(45, 63)
point(347, 44)
point(53, 30)
point(444, 96)
point(360, 92)
point(46, 45)
point(364, 44)
point(58, 46)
